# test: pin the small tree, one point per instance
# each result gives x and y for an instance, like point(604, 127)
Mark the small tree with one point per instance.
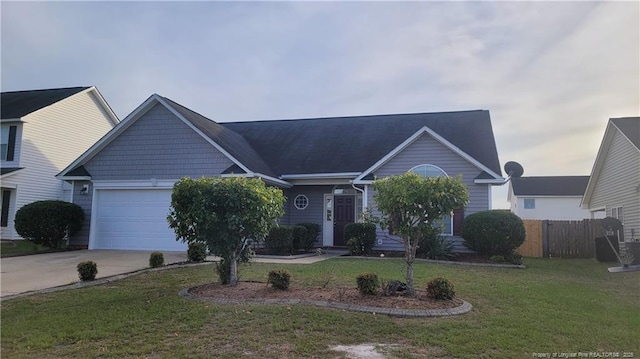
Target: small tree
point(412, 205)
point(225, 213)
point(48, 222)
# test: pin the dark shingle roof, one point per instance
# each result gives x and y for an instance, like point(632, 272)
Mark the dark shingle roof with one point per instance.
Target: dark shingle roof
point(7, 170)
point(79, 171)
point(630, 126)
point(232, 142)
point(353, 144)
point(17, 104)
point(550, 185)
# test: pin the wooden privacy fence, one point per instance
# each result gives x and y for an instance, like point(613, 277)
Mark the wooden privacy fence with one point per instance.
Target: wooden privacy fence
point(561, 239)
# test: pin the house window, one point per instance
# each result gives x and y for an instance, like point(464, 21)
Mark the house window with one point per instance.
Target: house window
point(301, 202)
point(434, 171)
point(6, 199)
point(7, 142)
point(529, 203)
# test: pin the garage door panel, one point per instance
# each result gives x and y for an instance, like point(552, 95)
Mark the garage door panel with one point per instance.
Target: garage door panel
point(134, 219)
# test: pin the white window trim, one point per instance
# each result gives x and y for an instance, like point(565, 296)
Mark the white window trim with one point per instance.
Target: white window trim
point(306, 202)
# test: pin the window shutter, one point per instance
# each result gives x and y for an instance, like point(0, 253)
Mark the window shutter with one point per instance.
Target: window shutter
point(458, 219)
point(6, 198)
point(11, 146)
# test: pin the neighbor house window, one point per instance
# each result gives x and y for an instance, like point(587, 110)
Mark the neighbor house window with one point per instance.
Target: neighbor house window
point(301, 201)
point(434, 171)
point(529, 203)
point(7, 142)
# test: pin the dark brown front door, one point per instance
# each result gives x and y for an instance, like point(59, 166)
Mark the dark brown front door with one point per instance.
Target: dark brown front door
point(344, 214)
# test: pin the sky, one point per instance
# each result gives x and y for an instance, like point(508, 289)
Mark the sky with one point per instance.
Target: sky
point(550, 73)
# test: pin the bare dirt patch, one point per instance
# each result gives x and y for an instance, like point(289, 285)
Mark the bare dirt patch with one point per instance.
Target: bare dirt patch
point(258, 290)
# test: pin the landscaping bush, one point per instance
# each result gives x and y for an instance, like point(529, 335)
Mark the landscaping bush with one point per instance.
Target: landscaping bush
point(280, 240)
point(440, 289)
point(298, 234)
point(156, 259)
point(514, 258)
point(393, 287)
point(368, 283)
point(361, 237)
point(223, 270)
point(87, 270)
point(496, 232)
point(197, 252)
point(311, 237)
point(279, 279)
point(48, 222)
point(435, 246)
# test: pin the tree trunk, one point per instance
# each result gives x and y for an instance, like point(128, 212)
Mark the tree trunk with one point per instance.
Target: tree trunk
point(409, 257)
point(233, 270)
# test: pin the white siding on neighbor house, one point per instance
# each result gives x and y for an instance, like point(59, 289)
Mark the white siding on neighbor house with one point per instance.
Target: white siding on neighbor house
point(618, 184)
point(158, 145)
point(426, 150)
point(550, 208)
point(52, 138)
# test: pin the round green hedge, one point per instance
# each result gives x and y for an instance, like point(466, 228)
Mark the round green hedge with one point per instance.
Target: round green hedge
point(496, 232)
point(47, 222)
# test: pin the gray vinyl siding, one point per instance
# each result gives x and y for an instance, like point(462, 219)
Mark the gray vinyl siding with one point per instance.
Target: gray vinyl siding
point(426, 150)
point(81, 238)
point(617, 183)
point(158, 145)
point(314, 213)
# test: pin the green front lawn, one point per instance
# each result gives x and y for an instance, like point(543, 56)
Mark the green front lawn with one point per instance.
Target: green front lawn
point(554, 306)
point(19, 248)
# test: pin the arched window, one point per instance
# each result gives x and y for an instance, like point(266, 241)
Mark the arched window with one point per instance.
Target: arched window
point(435, 171)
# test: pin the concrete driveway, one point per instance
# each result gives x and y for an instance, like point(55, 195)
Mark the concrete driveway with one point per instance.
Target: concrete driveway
point(27, 273)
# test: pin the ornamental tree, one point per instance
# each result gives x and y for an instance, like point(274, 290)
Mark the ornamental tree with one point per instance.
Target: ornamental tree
point(412, 205)
point(227, 214)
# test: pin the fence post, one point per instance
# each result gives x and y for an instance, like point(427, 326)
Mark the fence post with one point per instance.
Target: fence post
point(545, 239)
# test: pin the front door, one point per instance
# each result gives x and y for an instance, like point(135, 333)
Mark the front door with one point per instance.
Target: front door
point(344, 214)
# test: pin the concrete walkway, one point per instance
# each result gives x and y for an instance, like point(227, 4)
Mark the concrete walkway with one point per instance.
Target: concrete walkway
point(42, 271)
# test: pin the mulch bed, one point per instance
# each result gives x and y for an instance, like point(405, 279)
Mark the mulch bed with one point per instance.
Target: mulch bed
point(258, 290)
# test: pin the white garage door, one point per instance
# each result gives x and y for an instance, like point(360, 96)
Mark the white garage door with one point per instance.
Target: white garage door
point(134, 220)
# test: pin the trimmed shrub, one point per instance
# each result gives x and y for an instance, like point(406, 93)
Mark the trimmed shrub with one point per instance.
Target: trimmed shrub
point(197, 252)
point(393, 287)
point(223, 268)
point(87, 270)
point(299, 234)
point(279, 279)
point(440, 289)
point(280, 240)
point(156, 259)
point(368, 283)
point(514, 258)
point(48, 222)
point(311, 237)
point(361, 237)
point(496, 232)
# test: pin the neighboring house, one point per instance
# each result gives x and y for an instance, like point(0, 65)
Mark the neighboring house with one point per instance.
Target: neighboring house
point(325, 167)
point(614, 187)
point(548, 197)
point(42, 132)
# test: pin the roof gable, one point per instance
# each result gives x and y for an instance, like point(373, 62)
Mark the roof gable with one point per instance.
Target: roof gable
point(354, 144)
point(630, 128)
point(549, 185)
point(18, 104)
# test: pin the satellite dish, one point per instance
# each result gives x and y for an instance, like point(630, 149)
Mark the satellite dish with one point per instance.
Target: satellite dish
point(611, 224)
point(513, 169)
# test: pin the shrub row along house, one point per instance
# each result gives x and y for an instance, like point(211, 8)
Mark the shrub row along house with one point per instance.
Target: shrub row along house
point(42, 131)
point(325, 167)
